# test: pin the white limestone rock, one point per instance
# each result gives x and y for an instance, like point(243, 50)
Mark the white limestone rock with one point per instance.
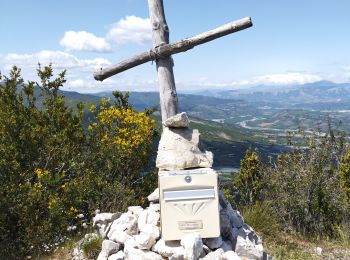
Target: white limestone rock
point(176, 257)
point(102, 256)
point(193, 246)
point(215, 255)
point(149, 216)
point(131, 242)
point(154, 231)
point(137, 231)
point(178, 121)
point(154, 196)
point(108, 248)
point(103, 221)
point(144, 240)
point(213, 243)
point(248, 244)
point(118, 256)
point(138, 254)
point(136, 210)
point(179, 148)
point(231, 255)
point(123, 228)
point(154, 207)
point(169, 249)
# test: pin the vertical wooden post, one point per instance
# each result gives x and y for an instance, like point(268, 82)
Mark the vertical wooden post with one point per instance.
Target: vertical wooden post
point(166, 81)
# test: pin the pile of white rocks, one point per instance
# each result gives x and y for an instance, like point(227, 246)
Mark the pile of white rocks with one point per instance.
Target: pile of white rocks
point(136, 235)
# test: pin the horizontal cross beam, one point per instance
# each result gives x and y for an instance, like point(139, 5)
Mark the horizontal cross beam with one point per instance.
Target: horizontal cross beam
point(173, 48)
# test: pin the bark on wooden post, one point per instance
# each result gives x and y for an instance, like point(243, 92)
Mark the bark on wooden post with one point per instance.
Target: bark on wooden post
point(166, 81)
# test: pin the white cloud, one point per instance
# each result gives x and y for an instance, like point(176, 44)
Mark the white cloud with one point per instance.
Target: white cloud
point(131, 29)
point(80, 74)
point(76, 68)
point(84, 41)
point(59, 59)
point(294, 78)
point(286, 79)
point(346, 69)
point(79, 71)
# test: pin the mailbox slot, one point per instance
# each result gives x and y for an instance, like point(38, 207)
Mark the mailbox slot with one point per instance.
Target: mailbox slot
point(193, 194)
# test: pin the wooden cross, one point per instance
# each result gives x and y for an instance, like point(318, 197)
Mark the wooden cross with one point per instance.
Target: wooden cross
point(162, 52)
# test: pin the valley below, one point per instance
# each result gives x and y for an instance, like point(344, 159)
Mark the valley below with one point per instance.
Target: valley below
point(262, 117)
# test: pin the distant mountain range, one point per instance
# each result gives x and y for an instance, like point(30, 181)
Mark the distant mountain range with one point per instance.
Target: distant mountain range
point(317, 95)
point(321, 95)
point(232, 120)
point(205, 107)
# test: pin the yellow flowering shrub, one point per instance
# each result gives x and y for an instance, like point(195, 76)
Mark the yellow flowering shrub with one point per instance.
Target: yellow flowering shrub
point(122, 140)
point(124, 128)
point(54, 172)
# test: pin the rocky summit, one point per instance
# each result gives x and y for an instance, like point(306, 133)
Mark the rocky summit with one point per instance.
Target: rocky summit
point(136, 235)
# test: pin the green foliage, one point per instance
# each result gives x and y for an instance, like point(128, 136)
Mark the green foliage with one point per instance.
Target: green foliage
point(92, 247)
point(262, 217)
point(54, 173)
point(148, 182)
point(291, 252)
point(38, 149)
point(120, 139)
point(344, 173)
point(343, 232)
point(249, 180)
point(304, 188)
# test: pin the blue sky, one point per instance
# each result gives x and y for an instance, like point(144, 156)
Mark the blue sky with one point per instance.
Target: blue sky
point(291, 42)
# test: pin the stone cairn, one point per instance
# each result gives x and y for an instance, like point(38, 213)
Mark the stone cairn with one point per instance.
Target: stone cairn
point(136, 235)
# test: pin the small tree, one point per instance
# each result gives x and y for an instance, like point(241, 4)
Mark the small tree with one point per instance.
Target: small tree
point(53, 172)
point(303, 187)
point(41, 146)
point(249, 180)
point(121, 139)
point(344, 173)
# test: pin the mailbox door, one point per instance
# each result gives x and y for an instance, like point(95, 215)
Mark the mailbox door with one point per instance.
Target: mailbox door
point(189, 203)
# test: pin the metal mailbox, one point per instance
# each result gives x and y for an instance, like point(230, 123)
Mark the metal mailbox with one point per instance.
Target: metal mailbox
point(189, 203)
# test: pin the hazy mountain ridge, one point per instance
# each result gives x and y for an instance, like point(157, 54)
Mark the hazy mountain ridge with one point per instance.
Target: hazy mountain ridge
point(308, 96)
point(229, 126)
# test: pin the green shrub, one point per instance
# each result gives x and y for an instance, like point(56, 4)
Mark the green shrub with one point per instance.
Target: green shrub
point(54, 173)
point(343, 234)
point(262, 218)
point(306, 188)
point(92, 247)
point(248, 183)
point(344, 173)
